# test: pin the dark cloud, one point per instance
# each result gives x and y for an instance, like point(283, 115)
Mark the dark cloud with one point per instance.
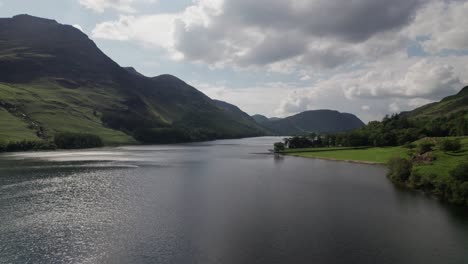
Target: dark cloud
point(355, 20)
point(262, 32)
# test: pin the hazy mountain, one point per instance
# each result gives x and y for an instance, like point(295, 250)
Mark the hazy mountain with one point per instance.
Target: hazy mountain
point(261, 119)
point(54, 78)
point(320, 121)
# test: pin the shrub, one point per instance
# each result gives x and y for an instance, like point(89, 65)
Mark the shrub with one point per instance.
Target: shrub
point(460, 172)
point(415, 178)
point(67, 140)
point(279, 147)
point(2, 147)
point(450, 145)
point(45, 145)
point(410, 145)
point(425, 147)
point(26, 145)
point(399, 169)
point(463, 190)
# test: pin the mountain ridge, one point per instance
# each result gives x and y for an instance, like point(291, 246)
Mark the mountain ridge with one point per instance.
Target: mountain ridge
point(318, 121)
point(53, 78)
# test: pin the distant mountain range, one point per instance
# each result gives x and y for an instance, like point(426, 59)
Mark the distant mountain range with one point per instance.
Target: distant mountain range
point(319, 121)
point(53, 78)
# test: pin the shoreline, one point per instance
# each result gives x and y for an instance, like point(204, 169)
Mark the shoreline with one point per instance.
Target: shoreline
point(339, 160)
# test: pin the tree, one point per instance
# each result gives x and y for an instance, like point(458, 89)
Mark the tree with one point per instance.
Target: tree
point(399, 169)
point(425, 147)
point(450, 145)
point(460, 172)
point(279, 147)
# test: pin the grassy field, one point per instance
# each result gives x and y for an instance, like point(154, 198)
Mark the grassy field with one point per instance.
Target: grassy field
point(14, 129)
point(444, 163)
point(368, 155)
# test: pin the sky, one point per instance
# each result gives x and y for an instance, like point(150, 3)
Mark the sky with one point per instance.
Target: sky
point(281, 57)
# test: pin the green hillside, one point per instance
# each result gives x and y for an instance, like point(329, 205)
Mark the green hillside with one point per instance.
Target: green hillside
point(448, 106)
point(54, 79)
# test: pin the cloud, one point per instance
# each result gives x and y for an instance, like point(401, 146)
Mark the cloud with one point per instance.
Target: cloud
point(78, 27)
point(248, 97)
point(384, 87)
point(352, 56)
point(242, 33)
point(442, 26)
point(423, 79)
point(148, 30)
point(99, 6)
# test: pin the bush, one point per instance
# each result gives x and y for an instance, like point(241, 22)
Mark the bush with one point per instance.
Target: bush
point(410, 145)
point(300, 142)
point(67, 140)
point(2, 147)
point(463, 191)
point(45, 145)
point(415, 179)
point(399, 169)
point(425, 147)
point(279, 147)
point(26, 145)
point(460, 172)
point(450, 145)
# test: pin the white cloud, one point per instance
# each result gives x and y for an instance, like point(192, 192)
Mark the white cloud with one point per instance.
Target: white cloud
point(248, 97)
point(384, 87)
point(149, 30)
point(78, 27)
point(423, 78)
point(242, 33)
point(126, 6)
point(443, 24)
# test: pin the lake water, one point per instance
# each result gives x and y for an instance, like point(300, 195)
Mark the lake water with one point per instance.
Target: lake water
point(215, 202)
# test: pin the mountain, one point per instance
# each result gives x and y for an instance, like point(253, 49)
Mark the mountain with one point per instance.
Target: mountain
point(261, 119)
point(449, 117)
point(239, 114)
point(319, 121)
point(133, 71)
point(53, 78)
point(451, 105)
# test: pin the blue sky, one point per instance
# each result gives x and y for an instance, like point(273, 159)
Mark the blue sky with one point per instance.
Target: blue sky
point(281, 57)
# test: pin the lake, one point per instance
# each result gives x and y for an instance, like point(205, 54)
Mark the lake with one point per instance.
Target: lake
point(216, 202)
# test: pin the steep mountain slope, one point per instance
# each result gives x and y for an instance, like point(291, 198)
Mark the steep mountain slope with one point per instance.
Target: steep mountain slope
point(53, 78)
point(239, 114)
point(448, 106)
point(320, 121)
point(447, 117)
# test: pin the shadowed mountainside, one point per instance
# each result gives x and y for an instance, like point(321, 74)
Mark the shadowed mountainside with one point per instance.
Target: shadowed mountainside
point(53, 78)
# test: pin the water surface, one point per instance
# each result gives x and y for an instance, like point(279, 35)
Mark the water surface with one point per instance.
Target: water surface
point(215, 202)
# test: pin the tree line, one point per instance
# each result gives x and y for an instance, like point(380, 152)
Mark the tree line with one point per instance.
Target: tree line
point(62, 140)
point(394, 130)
